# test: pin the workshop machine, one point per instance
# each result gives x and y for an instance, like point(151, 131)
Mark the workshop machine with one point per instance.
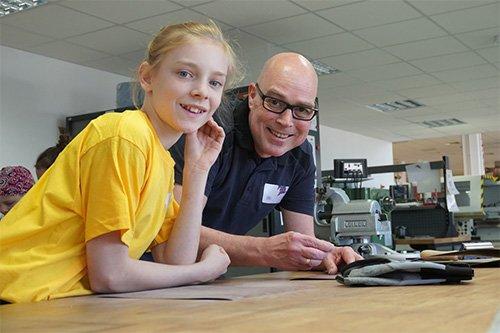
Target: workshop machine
point(356, 223)
point(478, 201)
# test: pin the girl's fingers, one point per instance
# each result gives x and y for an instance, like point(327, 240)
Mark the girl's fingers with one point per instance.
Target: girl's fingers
point(214, 130)
point(210, 126)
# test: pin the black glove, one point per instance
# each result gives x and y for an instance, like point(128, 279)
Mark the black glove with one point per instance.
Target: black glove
point(385, 272)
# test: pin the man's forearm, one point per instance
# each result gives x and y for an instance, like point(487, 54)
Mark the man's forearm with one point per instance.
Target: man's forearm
point(298, 222)
point(243, 250)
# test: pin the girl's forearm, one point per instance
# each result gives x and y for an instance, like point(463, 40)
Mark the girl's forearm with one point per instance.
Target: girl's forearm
point(110, 269)
point(182, 245)
point(137, 275)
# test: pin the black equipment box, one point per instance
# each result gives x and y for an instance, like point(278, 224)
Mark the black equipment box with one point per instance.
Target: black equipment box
point(433, 221)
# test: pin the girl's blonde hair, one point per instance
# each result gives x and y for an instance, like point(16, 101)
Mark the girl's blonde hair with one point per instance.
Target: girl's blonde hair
point(172, 36)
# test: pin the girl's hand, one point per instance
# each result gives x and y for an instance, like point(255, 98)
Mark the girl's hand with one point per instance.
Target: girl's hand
point(203, 146)
point(216, 260)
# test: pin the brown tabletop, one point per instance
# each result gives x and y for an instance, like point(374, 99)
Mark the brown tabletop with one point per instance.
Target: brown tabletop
point(298, 306)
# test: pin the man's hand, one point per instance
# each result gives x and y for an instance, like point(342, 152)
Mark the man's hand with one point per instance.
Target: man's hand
point(295, 251)
point(340, 256)
point(203, 146)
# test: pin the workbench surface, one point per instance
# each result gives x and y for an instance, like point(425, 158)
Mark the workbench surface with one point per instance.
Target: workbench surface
point(296, 306)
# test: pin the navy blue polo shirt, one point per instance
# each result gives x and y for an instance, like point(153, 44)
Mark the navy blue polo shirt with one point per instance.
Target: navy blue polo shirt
point(243, 188)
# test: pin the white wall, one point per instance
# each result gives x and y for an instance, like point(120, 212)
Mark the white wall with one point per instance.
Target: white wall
point(37, 93)
point(336, 143)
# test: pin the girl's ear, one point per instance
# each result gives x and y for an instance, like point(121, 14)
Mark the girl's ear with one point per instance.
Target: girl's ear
point(145, 76)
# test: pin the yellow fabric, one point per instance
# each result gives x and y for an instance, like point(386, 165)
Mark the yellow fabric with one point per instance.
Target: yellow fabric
point(115, 175)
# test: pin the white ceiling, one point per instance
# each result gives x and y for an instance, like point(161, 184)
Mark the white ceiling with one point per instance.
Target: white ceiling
point(441, 53)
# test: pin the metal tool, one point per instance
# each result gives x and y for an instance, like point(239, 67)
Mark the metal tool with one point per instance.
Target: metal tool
point(356, 223)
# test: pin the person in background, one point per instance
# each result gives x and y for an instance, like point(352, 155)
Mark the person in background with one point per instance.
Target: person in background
point(49, 155)
point(494, 173)
point(15, 181)
point(108, 196)
point(266, 162)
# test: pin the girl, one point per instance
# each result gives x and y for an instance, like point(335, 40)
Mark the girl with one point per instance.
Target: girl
point(108, 197)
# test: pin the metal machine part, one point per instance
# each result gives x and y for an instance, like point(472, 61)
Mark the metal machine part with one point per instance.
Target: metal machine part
point(353, 223)
point(374, 250)
point(326, 199)
point(360, 221)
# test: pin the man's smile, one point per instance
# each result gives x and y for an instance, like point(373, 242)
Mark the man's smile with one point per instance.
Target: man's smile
point(279, 135)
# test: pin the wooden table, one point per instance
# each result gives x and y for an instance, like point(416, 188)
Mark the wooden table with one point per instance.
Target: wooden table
point(309, 306)
point(433, 243)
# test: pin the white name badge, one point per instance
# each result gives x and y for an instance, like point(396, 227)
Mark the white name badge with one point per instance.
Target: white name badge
point(273, 193)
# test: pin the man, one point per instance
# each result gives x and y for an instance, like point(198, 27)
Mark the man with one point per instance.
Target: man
point(266, 163)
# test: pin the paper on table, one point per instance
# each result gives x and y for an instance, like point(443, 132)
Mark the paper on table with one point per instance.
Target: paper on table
point(427, 180)
point(312, 275)
point(321, 276)
point(222, 290)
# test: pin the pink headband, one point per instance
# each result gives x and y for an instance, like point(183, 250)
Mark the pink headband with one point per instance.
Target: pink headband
point(15, 180)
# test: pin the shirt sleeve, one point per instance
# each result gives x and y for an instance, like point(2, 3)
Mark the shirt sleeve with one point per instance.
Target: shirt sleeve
point(112, 174)
point(168, 223)
point(300, 196)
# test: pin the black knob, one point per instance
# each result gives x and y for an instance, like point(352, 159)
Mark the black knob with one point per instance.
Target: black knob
point(365, 249)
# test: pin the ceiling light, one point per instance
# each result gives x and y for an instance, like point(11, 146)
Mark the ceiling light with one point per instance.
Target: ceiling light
point(12, 6)
point(323, 69)
point(396, 105)
point(442, 122)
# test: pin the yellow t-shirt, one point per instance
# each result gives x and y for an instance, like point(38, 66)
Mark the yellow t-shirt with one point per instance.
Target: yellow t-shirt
point(115, 175)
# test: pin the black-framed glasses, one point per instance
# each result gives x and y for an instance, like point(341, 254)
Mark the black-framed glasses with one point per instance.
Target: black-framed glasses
point(275, 105)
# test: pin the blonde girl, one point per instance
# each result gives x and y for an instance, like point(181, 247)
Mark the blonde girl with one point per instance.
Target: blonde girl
point(108, 197)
